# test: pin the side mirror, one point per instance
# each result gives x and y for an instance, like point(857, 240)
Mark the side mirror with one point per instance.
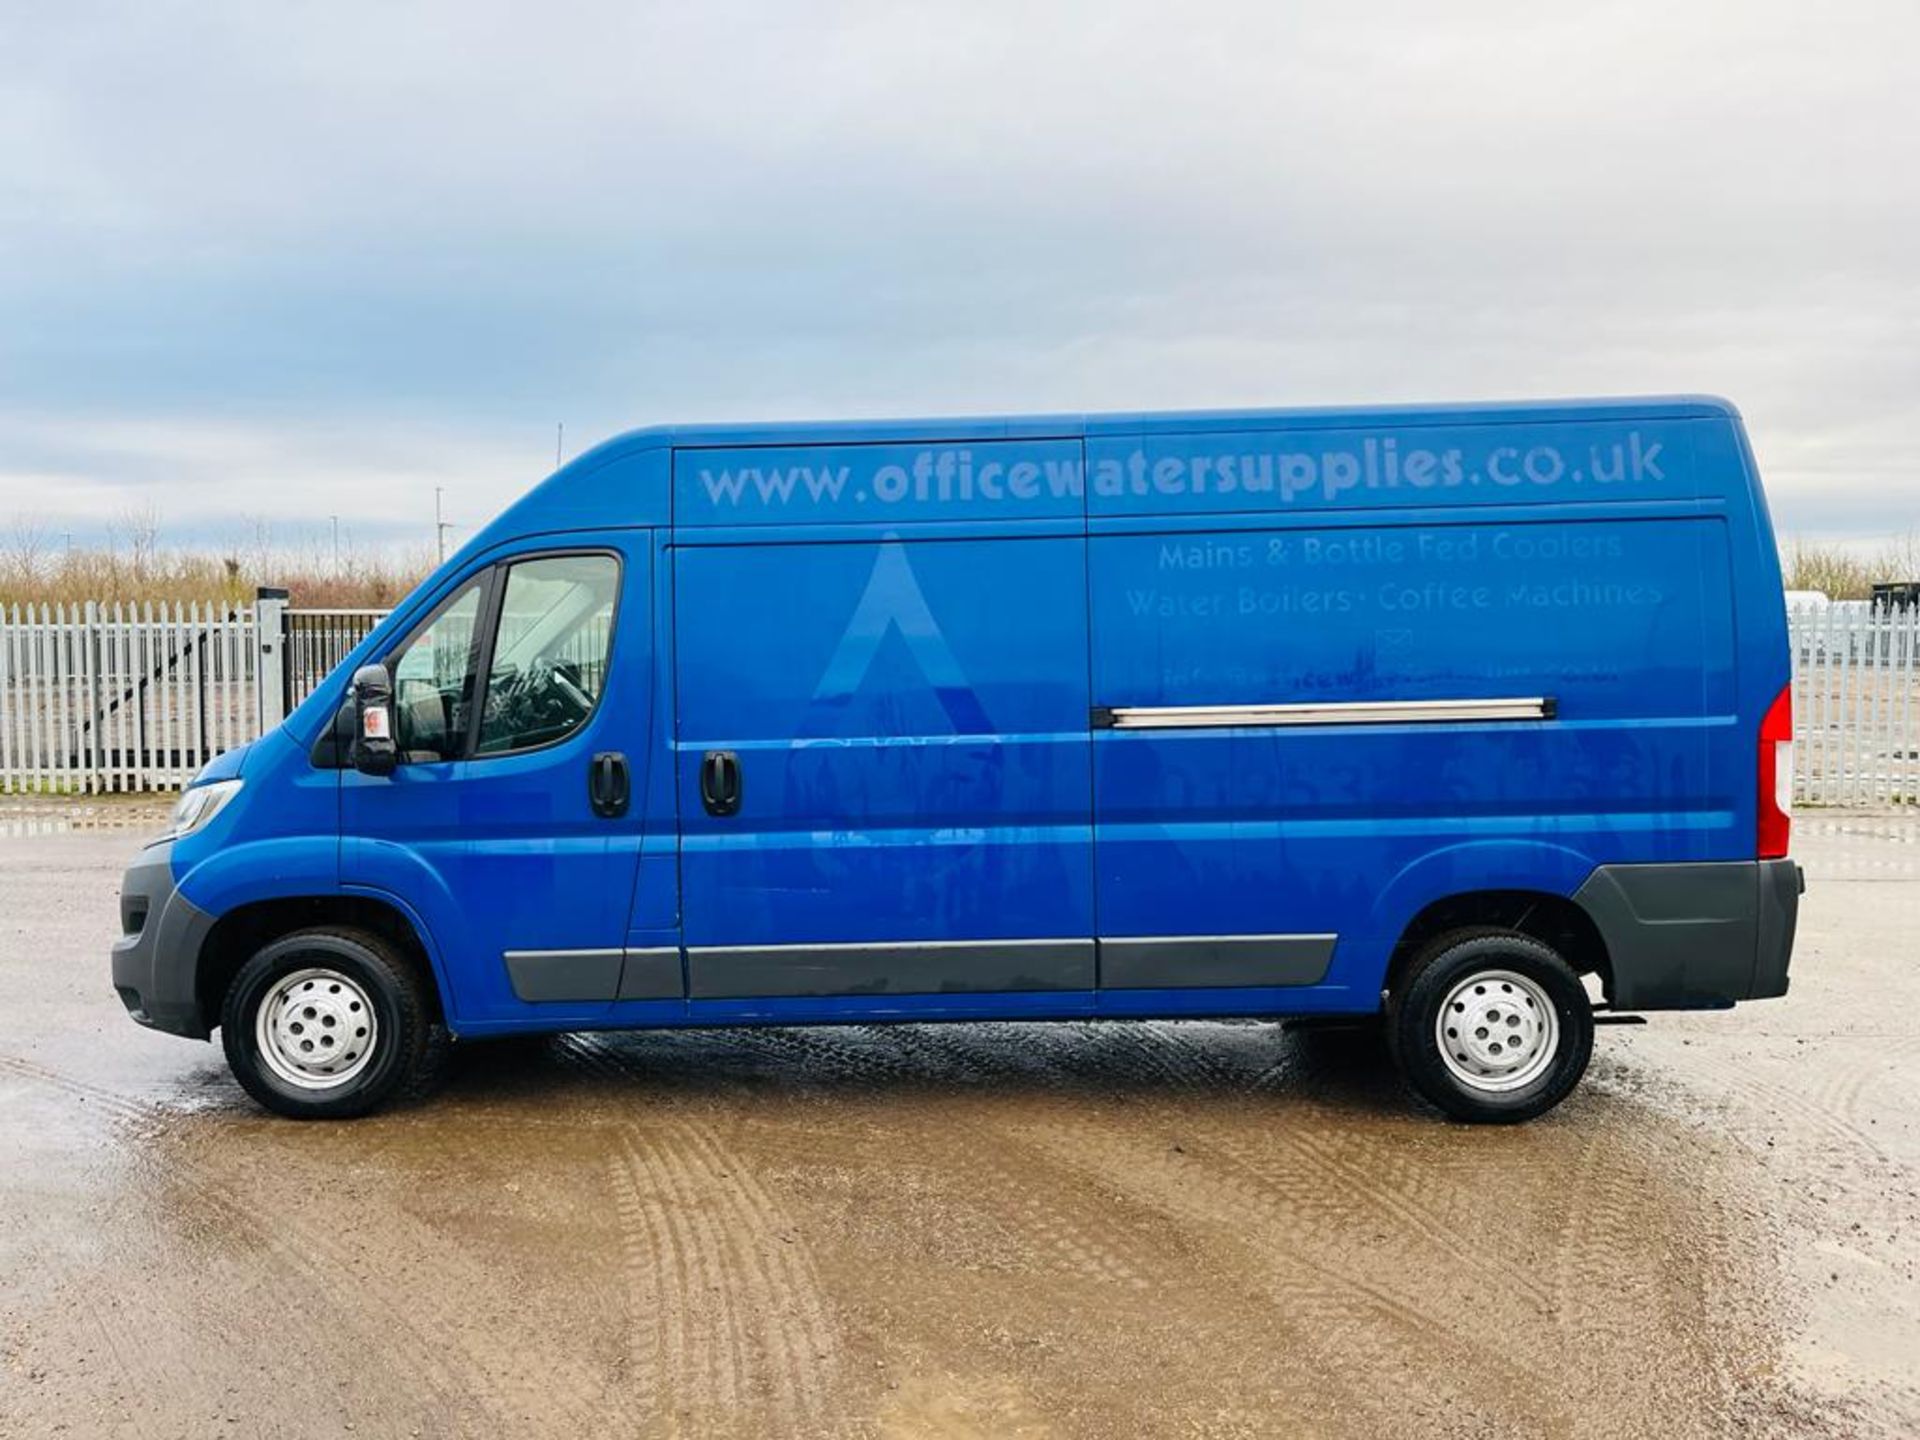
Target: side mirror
point(374, 751)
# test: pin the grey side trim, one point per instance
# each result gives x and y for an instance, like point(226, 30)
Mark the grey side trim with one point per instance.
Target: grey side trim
point(1365, 712)
point(1179, 962)
point(651, 974)
point(1694, 936)
point(546, 975)
point(913, 967)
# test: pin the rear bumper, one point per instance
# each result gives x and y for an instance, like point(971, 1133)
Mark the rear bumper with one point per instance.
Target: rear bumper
point(157, 957)
point(1695, 937)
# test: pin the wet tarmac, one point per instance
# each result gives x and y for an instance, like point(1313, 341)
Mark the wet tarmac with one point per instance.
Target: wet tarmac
point(1007, 1230)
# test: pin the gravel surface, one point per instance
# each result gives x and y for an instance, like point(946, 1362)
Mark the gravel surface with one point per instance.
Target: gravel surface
point(977, 1230)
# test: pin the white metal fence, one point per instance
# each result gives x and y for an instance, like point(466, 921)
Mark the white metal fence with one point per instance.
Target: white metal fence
point(1856, 704)
point(98, 698)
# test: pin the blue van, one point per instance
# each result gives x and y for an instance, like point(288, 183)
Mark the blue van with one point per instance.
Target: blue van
point(1469, 720)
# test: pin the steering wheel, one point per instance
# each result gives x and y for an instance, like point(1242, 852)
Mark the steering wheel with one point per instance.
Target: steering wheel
point(565, 684)
point(538, 699)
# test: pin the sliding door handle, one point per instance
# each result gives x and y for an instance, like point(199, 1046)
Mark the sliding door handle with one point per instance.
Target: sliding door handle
point(720, 784)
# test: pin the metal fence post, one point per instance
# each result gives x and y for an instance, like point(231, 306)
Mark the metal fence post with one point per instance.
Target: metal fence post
point(270, 668)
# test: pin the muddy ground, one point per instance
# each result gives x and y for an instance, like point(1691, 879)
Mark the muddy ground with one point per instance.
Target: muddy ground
point(1006, 1230)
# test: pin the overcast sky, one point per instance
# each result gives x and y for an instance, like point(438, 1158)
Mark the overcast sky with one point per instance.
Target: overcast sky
point(278, 262)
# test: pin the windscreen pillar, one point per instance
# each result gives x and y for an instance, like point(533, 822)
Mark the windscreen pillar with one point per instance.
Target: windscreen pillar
point(270, 659)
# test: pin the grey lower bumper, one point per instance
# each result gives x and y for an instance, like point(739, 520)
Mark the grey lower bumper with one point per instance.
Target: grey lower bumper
point(157, 957)
point(1695, 937)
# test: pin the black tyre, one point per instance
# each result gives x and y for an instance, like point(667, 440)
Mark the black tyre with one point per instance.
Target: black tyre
point(327, 1023)
point(1491, 1026)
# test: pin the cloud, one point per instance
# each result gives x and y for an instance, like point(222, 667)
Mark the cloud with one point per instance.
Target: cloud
point(387, 247)
point(225, 483)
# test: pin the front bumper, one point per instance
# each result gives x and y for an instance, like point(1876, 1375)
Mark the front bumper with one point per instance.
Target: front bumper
point(156, 960)
point(1695, 936)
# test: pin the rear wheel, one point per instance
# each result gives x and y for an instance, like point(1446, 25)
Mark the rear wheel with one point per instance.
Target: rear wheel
point(326, 1023)
point(1491, 1026)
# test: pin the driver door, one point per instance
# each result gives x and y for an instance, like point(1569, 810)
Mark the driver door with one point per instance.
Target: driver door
point(509, 700)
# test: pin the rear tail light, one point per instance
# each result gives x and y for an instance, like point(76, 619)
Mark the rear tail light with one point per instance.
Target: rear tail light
point(1776, 777)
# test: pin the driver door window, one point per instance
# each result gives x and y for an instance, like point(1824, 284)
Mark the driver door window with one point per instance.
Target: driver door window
point(433, 680)
point(548, 663)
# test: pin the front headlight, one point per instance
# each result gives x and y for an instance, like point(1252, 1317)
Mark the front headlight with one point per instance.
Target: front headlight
point(198, 806)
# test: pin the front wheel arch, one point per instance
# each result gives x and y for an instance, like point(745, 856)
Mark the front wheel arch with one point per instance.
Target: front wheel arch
point(240, 933)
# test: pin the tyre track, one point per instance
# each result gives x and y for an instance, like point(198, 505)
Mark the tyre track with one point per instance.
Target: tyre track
point(202, 1194)
point(1820, 1120)
point(125, 1107)
point(1601, 1249)
point(724, 1305)
point(296, 1249)
point(969, 1142)
point(820, 1055)
point(1841, 1088)
point(1707, 1302)
point(1203, 1044)
point(1349, 1324)
point(807, 1055)
point(1371, 1186)
point(1144, 1047)
point(1049, 1231)
point(413, 1324)
point(1599, 1226)
point(984, 1053)
point(647, 1249)
point(426, 1336)
point(1377, 1187)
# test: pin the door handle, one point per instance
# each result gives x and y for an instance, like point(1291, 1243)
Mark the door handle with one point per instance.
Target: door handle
point(720, 785)
point(608, 786)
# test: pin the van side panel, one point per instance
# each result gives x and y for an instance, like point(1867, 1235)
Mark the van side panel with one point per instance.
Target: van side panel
point(1607, 565)
point(1625, 627)
point(1616, 619)
point(908, 718)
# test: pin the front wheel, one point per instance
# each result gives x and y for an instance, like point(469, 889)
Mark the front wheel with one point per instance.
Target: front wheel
point(1491, 1026)
point(325, 1024)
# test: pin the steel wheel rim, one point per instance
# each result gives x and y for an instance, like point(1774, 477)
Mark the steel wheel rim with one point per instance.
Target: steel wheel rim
point(316, 1029)
point(1497, 1031)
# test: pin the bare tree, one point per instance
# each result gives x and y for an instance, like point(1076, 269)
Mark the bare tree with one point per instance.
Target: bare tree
point(1830, 569)
point(139, 530)
point(1899, 559)
point(26, 548)
point(259, 550)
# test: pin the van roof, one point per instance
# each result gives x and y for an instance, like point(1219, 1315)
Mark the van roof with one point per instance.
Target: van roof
point(1007, 427)
point(629, 474)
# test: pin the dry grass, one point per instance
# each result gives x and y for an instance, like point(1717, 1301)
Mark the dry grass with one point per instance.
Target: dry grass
point(1842, 574)
point(134, 567)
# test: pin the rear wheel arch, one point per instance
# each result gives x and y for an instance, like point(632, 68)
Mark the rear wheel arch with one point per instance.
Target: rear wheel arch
point(1557, 921)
